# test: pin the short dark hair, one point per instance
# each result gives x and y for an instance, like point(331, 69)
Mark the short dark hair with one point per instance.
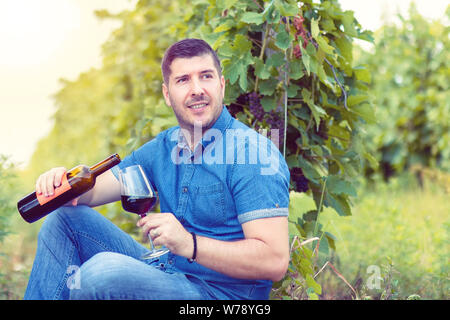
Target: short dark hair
point(187, 48)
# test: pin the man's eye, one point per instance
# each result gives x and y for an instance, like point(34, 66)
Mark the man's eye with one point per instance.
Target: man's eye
point(207, 76)
point(181, 80)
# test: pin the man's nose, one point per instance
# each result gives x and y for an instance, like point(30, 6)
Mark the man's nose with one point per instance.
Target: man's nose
point(196, 88)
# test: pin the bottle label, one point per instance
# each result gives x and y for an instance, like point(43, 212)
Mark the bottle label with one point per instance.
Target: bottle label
point(65, 186)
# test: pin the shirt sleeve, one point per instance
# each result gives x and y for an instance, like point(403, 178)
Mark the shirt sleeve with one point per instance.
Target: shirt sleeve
point(129, 160)
point(261, 190)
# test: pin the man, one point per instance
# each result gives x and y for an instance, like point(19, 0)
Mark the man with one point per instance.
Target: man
point(228, 215)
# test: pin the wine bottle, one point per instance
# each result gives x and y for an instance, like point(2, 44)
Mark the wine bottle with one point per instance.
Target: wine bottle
point(74, 183)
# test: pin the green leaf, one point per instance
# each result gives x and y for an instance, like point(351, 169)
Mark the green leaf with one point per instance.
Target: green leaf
point(311, 215)
point(283, 39)
point(323, 77)
point(261, 70)
point(308, 170)
point(243, 80)
point(331, 240)
point(345, 47)
point(366, 112)
point(372, 160)
point(301, 230)
point(323, 245)
point(362, 73)
point(327, 25)
point(338, 203)
point(287, 8)
point(227, 25)
point(270, 14)
point(292, 90)
point(306, 61)
point(306, 266)
point(296, 69)
point(268, 103)
point(339, 132)
point(316, 110)
point(229, 3)
point(313, 296)
point(311, 49)
point(242, 44)
point(313, 284)
point(356, 99)
point(315, 27)
point(226, 50)
point(324, 45)
point(267, 87)
point(348, 22)
point(232, 70)
point(276, 60)
point(252, 18)
point(337, 185)
point(308, 253)
point(236, 68)
point(221, 5)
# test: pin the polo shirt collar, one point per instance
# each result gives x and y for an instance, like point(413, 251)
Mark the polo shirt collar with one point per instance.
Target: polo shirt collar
point(223, 122)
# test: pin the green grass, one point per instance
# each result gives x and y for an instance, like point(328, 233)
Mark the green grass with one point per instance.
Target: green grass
point(399, 230)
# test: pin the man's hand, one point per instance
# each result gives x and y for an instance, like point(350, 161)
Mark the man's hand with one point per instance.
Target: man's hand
point(48, 181)
point(166, 230)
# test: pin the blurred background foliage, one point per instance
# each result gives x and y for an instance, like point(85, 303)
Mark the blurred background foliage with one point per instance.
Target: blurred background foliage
point(410, 89)
point(398, 87)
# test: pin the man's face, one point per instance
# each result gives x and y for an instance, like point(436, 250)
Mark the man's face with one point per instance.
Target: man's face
point(195, 91)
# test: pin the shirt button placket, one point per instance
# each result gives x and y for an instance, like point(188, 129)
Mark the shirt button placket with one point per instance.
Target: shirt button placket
point(182, 204)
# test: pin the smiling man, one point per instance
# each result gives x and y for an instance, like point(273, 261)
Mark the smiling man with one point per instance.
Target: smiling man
point(225, 224)
point(193, 86)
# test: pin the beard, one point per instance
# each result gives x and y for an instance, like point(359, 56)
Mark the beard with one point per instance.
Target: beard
point(182, 113)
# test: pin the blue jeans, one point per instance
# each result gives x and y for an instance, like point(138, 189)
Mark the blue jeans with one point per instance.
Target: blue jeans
point(82, 255)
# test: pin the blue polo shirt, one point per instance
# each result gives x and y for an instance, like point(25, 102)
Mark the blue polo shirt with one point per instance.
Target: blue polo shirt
point(234, 175)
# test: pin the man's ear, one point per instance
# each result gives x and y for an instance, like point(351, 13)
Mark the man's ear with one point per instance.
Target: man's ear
point(165, 91)
point(222, 84)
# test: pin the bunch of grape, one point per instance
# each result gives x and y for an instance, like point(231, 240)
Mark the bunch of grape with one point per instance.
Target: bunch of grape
point(255, 106)
point(235, 108)
point(275, 121)
point(300, 32)
point(301, 183)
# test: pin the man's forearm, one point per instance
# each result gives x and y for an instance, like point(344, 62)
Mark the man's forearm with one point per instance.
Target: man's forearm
point(244, 259)
point(106, 190)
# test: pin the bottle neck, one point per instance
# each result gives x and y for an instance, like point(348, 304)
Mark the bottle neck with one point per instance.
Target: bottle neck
point(105, 165)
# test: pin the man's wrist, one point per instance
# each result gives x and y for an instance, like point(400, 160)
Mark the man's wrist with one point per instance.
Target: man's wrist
point(194, 251)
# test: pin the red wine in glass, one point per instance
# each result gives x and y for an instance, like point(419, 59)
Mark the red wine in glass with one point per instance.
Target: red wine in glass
point(138, 197)
point(138, 204)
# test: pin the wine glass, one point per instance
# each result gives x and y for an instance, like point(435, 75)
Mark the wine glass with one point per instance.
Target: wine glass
point(138, 197)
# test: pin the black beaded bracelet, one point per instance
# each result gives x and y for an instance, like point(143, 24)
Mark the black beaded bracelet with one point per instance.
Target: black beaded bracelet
point(194, 255)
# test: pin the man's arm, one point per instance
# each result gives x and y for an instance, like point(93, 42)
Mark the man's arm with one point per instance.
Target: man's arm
point(263, 254)
point(106, 190)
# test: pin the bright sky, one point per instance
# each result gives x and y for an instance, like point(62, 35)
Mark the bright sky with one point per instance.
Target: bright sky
point(371, 14)
point(42, 41)
point(45, 40)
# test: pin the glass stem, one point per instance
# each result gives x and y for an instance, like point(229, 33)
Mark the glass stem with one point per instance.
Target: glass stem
point(151, 242)
point(152, 248)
